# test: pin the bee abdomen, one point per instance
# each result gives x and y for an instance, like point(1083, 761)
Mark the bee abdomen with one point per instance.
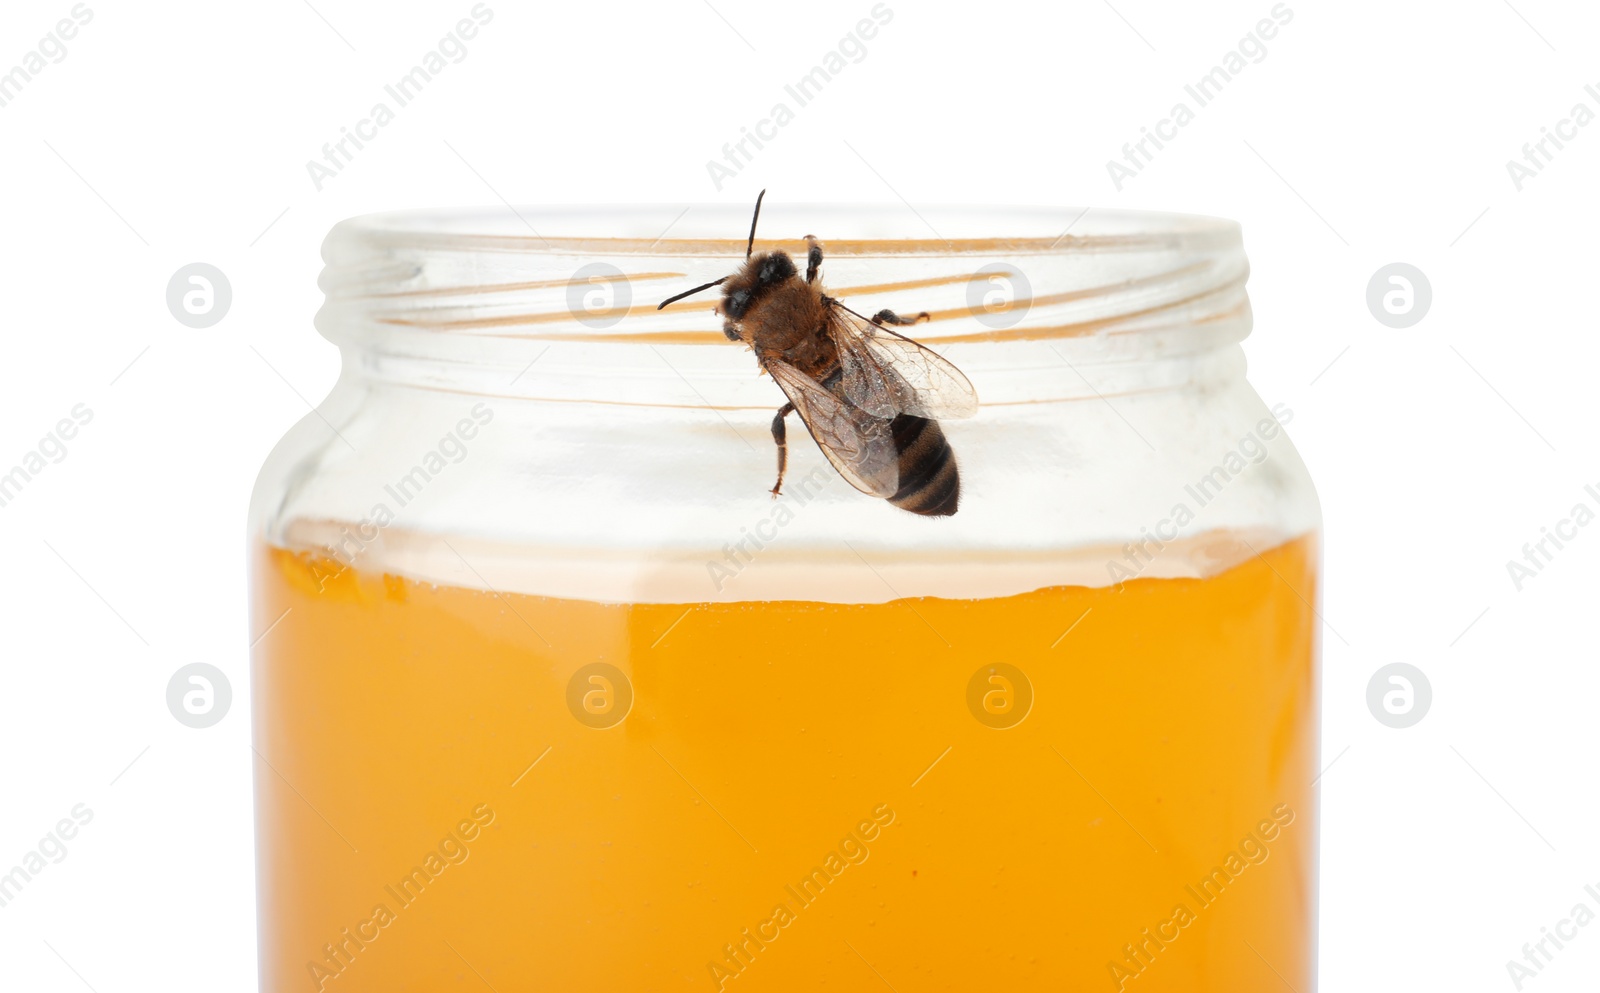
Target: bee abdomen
point(929, 482)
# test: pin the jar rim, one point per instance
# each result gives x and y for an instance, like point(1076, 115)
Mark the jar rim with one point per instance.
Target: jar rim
point(846, 229)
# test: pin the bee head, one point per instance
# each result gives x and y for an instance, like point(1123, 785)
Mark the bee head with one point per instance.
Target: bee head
point(758, 275)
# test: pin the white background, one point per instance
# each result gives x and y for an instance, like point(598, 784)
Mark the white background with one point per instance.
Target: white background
point(1372, 132)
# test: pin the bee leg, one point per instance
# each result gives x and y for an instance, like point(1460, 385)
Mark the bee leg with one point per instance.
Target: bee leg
point(887, 316)
point(780, 434)
point(813, 258)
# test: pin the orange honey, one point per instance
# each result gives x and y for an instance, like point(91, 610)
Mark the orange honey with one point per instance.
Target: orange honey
point(787, 796)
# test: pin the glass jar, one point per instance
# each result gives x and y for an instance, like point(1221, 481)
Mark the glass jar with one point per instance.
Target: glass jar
point(555, 694)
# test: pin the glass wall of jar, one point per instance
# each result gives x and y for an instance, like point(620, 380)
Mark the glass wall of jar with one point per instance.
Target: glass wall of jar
point(556, 692)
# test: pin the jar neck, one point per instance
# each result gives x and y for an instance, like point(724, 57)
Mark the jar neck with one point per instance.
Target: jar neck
point(483, 303)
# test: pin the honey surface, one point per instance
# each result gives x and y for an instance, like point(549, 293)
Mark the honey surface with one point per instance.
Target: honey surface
point(1069, 789)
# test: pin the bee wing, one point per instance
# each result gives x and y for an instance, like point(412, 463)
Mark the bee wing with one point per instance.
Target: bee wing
point(858, 444)
point(887, 373)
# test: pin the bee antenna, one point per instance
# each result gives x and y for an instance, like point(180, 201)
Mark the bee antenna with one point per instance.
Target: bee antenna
point(690, 293)
point(755, 217)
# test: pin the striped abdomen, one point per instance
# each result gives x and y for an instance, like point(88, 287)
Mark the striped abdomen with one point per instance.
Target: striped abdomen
point(929, 482)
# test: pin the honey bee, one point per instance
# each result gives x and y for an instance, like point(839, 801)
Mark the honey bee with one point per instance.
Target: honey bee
point(868, 395)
